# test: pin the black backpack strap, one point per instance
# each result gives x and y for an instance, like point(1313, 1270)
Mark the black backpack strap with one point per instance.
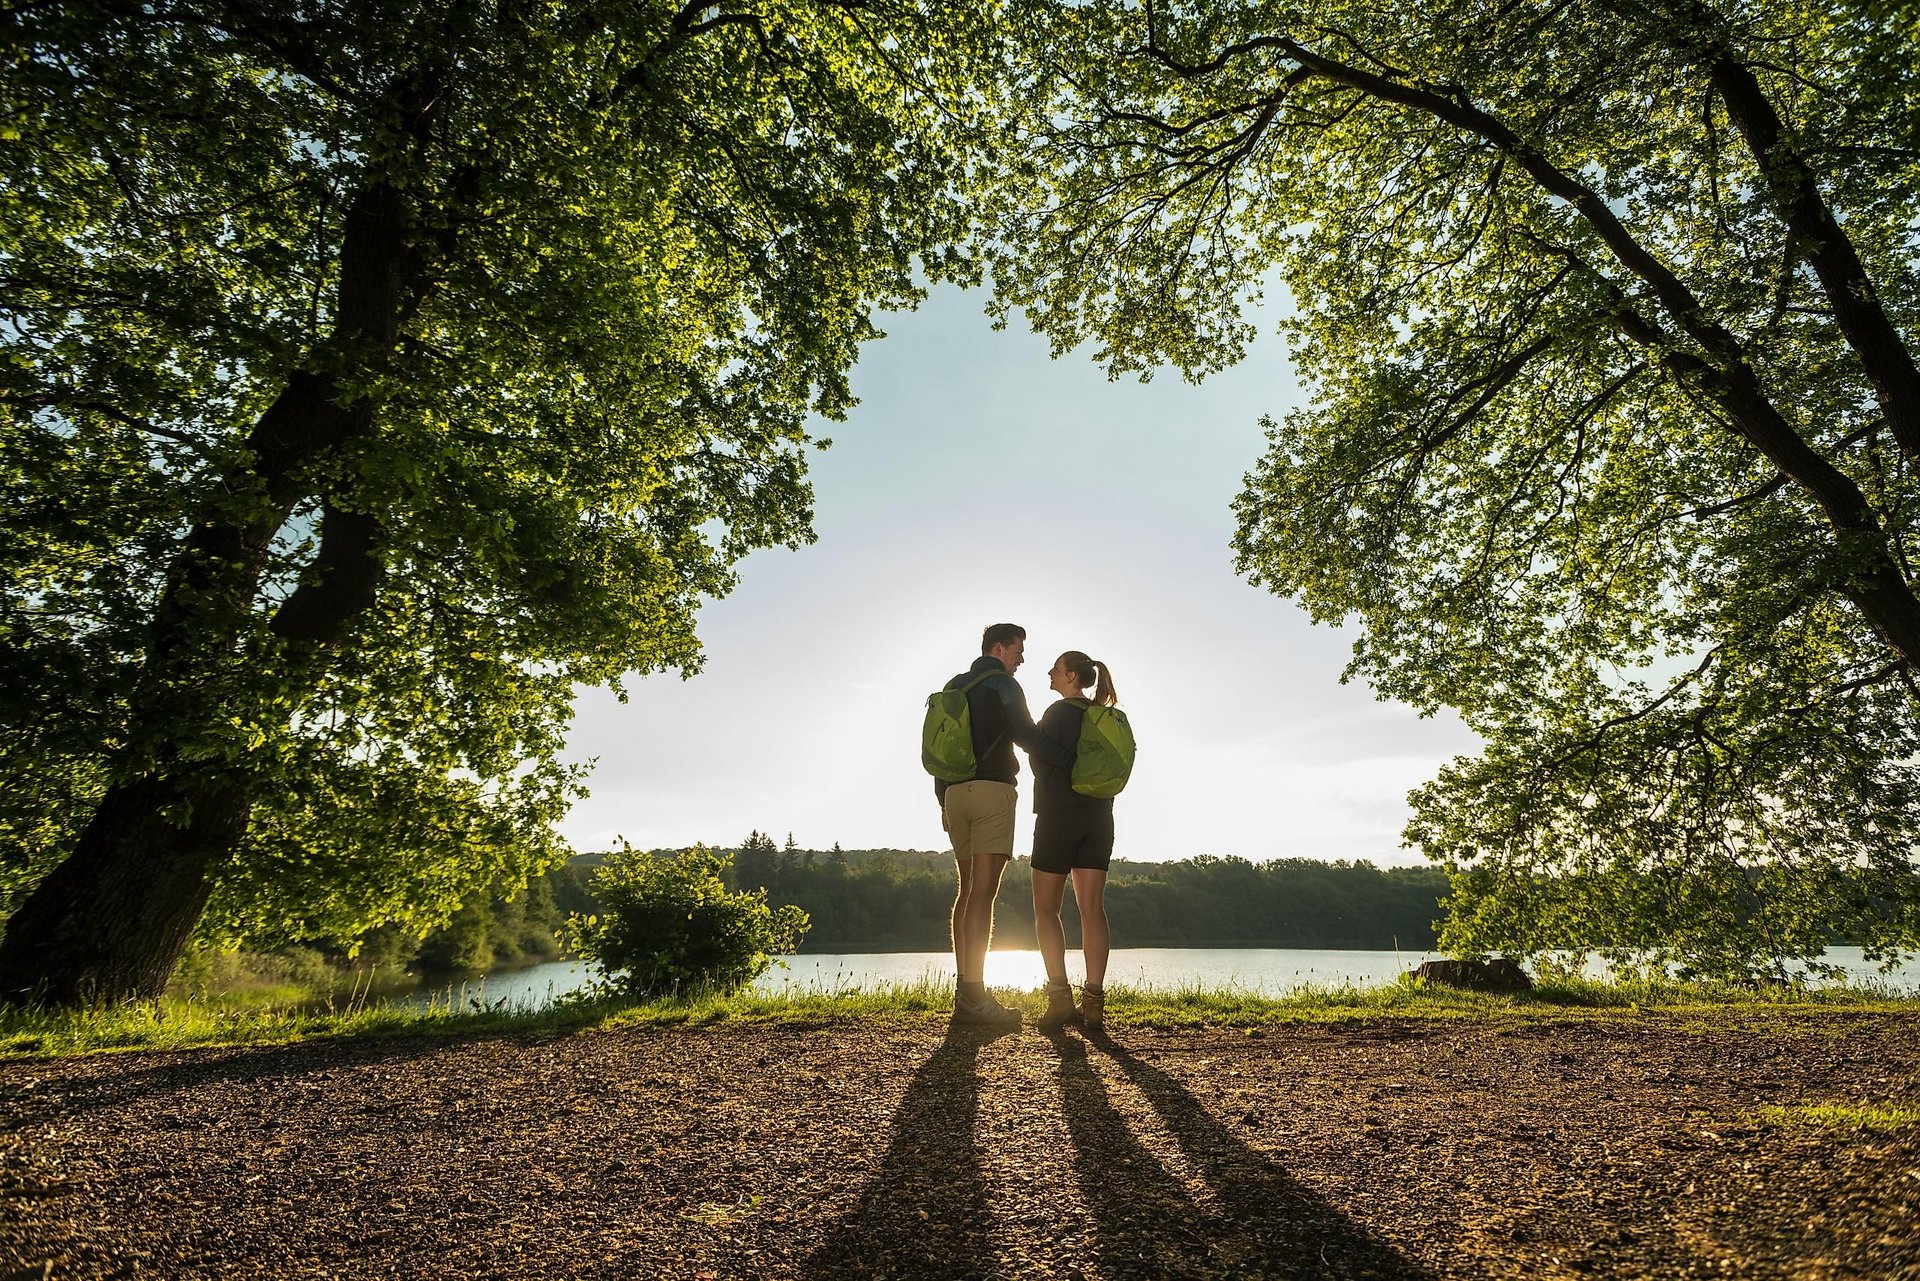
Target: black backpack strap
point(968, 687)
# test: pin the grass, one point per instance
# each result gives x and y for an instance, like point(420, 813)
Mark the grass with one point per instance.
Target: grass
point(1872, 1117)
point(1410, 998)
point(206, 1022)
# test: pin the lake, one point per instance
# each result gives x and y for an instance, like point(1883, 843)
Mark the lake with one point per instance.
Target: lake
point(1271, 971)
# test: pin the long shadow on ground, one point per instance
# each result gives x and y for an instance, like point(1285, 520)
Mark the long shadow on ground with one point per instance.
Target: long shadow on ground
point(1261, 1221)
point(924, 1213)
point(105, 1082)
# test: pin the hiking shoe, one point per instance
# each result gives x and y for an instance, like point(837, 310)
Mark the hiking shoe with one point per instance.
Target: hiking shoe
point(1060, 1008)
point(1093, 1010)
point(982, 1012)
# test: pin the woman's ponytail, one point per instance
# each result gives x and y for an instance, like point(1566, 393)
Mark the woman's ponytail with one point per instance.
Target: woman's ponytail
point(1103, 689)
point(1087, 672)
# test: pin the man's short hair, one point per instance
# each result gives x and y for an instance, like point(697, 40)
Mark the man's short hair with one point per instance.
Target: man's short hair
point(1001, 634)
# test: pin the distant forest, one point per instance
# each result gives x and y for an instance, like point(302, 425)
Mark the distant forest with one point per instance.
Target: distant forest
point(884, 900)
point(898, 900)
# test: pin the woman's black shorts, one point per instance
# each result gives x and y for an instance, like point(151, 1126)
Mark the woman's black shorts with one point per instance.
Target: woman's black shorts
point(1073, 836)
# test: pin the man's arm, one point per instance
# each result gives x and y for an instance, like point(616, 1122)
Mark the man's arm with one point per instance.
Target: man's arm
point(1022, 730)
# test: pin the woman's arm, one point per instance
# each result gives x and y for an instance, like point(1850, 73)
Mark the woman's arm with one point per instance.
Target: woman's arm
point(1022, 730)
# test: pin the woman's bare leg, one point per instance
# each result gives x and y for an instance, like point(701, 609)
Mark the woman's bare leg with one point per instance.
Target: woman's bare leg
point(1090, 892)
point(1049, 891)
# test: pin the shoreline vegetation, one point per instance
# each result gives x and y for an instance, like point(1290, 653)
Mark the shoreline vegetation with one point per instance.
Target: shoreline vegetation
point(880, 900)
point(318, 989)
point(860, 901)
point(177, 1024)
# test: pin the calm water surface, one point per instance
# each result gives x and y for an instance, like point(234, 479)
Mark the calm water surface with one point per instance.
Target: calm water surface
point(1269, 971)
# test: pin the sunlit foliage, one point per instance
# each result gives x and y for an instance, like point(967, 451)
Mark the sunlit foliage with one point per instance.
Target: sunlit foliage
point(1605, 311)
point(375, 375)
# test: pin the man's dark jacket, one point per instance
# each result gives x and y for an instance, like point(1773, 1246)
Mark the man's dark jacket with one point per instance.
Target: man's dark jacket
point(997, 710)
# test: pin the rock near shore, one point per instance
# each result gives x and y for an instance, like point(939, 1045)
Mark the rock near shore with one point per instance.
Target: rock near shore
point(1498, 975)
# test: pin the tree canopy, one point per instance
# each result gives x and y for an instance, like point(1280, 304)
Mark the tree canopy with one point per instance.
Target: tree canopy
point(376, 374)
point(1606, 311)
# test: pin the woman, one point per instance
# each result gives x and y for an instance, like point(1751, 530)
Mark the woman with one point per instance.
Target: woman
point(1072, 838)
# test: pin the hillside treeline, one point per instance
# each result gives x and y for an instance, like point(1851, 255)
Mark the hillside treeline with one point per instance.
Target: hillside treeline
point(899, 900)
point(892, 900)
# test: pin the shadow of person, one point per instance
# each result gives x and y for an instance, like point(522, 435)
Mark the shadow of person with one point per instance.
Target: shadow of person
point(924, 1212)
point(1144, 1223)
point(106, 1082)
point(1262, 1222)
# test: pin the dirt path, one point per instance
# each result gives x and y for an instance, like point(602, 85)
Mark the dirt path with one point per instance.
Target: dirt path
point(1408, 1149)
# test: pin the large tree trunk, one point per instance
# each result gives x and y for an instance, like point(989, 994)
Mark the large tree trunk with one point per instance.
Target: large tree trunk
point(110, 922)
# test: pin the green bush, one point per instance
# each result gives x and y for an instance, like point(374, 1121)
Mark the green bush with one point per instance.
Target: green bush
point(208, 973)
point(670, 925)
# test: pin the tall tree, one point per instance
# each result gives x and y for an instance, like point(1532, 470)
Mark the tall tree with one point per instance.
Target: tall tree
point(1607, 310)
point(755, 862)
point(375, 374)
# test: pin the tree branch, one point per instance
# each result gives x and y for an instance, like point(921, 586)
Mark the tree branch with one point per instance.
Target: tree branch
point(1795, 194)
point(1592, 741)
point(340, 584)
point(68, 399)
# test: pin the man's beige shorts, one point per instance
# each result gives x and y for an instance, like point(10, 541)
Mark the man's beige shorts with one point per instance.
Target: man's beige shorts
point(979, 817)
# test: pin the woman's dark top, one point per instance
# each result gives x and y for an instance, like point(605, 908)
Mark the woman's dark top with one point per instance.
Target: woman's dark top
point(1053, 784)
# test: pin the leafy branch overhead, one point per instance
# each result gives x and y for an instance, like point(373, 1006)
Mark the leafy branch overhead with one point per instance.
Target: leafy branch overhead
point(374, 376)
point(1606, 309)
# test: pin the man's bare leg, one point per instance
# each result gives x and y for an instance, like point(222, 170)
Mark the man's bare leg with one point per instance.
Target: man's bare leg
point(964, 866)
point(987, 870)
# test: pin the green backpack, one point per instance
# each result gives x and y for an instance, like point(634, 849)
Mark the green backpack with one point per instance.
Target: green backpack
point(946, 739)
point(1104, 757)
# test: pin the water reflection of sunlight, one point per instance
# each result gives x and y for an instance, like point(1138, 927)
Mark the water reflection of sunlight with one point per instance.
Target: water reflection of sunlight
point(1024, 970)
point(1021, 970)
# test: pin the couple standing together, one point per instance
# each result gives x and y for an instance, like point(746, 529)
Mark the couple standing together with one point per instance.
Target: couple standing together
point(1072, 833)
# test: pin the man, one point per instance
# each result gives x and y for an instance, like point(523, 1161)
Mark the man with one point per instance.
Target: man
point(978, 813)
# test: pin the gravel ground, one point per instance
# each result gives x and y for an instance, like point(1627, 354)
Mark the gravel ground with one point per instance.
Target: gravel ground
point(1594, 1148)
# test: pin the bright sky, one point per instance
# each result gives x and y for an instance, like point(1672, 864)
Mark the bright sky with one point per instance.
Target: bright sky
point(979, 482)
